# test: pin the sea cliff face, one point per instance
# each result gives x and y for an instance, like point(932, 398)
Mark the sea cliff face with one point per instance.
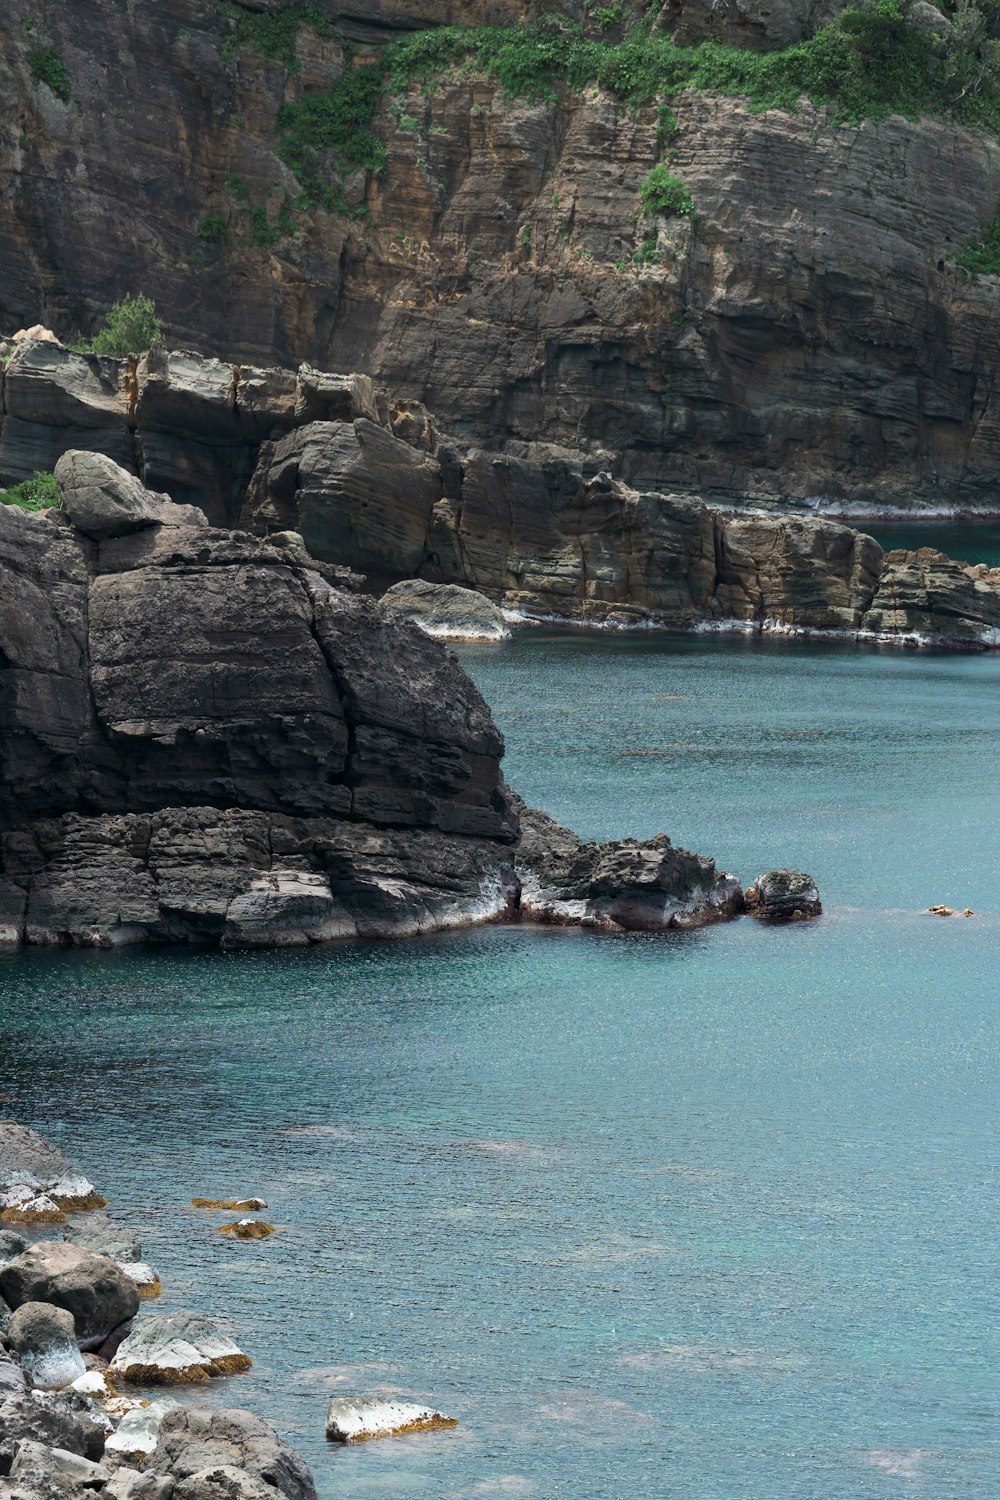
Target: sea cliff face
point(207, 736)
point(807, 332)
point(368, 482)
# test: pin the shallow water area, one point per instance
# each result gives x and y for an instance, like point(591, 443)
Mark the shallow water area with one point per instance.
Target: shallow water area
point(708, 1214)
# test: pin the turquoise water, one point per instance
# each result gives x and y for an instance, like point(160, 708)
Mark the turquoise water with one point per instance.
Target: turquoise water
point(709, 1215)
point(976, 543)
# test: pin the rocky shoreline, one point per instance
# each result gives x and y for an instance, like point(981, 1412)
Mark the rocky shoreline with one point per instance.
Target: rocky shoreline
point(209, 737)
point(371, 486)
point(81, 1365)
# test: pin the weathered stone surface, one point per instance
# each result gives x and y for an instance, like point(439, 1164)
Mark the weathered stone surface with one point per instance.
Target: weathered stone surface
point(11, 1243)
point(175, 1349)
point(223, 1482)
point(39, 1464)
point(193, 1439)
point(91, 1287)
point(136, 1434)
point(44, 1338)
point(12, 1377)
point(808, 334)
point(351, 1419)
point(641, 887)
point(103, 500)
point(783, 896)
point(236, 748)
point(26, 1156)
point(129, 1484)
point(446, 610)
point(56, 1421)
point(99, 1234)
point(53, 401)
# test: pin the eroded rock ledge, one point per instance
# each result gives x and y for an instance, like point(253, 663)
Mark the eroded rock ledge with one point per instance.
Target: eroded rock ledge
point(371, 484)
point(207, 736)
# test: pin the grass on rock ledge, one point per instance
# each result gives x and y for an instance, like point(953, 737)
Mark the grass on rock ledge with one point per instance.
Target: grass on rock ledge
point(37, 493)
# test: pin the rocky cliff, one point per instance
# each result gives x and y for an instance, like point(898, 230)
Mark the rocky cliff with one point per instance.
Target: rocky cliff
point(206, 736)
point(369, 483)
point(805, 332)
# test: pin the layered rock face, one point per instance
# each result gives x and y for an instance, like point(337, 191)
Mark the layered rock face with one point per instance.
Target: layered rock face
point(808, 335)
point(207, 736)
point(330, 468)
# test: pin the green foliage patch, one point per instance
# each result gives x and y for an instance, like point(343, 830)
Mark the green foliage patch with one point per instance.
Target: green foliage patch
point(981, 257)
point(46, 66)
point(129, 328)
point(37, 493)
point(663, 194)
point(274, 35)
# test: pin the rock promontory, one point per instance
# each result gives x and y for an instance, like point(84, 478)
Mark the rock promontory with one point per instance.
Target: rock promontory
point(206, 736)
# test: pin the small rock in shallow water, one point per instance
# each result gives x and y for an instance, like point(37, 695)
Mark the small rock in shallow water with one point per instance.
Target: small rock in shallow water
point(941, 911)
point(102, 1236)
point(447, 610)
point(75, 1193)
point(146, 1280)
point(175, 1349)
point(248, 1229)
point(22, 1203)
point(783, 896)
point(353, 1420)
point(44, 1338)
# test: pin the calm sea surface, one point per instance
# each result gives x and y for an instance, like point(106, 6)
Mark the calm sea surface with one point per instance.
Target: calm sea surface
point(974, 543)
point(709, 1216)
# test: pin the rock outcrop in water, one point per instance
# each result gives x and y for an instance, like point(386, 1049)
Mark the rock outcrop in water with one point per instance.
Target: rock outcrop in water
point(810, 333)
point(206, 736)
point(329, 469)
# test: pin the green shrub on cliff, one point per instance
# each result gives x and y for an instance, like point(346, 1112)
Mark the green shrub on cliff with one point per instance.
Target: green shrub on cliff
point(46, 66)
point(981, 257)
point(129, 328)
point(37, 493)
point(663, 194)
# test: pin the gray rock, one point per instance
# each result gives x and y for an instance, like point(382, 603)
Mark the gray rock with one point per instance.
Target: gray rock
point(104, 500)
point(647, 887)
point(25, 1155)
point(91, 1287)
point(223, 1482)
point(136, 1435)
point(447, 611)
point(40, 1463)
point(12, 1377)
point(11, 1243)
point(192, 1440)
point(44, 1337)
point(55, 400)
point(783, 896)
point(128, 1484)
point(59, 1421)
point(175, 1348)
point(99, 1234)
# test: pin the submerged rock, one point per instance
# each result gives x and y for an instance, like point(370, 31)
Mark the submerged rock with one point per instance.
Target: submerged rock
point(99, 1234)
point(91, 1287)
point(194, 1439)
point(447, 610)
point(44, 1338)
point(355, 1419)
point(233, 1205)
point(783, 896)
point(175, 1349)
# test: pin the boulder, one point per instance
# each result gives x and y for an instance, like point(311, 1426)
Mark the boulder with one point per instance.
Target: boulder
point(27, 1156)
point(104, 500)
point(137, 1433)
point(25, 1204)
point(128, 1484)
point(12, 1244)
point(446, 610)
point(223, 1482)
point(39, 1464)
point(353, 1419)
point(93, 1288)
point(193, 1439)
point(176, 1348)
point(248, 1229)
point(783, 896)
point(99, 1234)
point(648, 886)
point(12, 1377)
point(44, 1337)
point(146, 1279)
point(62, 1421)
